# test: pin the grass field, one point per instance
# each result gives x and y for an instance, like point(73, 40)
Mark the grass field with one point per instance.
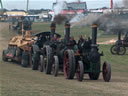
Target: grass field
point(18, 81)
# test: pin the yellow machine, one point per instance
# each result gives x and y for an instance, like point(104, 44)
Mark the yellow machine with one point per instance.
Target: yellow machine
point(19, 48)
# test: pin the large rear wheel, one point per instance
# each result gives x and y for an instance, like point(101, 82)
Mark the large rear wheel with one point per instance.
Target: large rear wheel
point(69, 64)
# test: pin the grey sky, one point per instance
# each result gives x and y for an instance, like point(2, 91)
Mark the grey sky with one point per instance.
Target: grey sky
point(37, 4)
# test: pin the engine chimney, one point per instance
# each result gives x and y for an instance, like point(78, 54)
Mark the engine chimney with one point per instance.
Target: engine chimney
point(53, 29)
point(119, 35)
point(94, 34)
point(67, 32)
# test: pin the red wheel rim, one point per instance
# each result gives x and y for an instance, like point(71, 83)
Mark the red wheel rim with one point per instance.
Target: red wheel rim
point(66, 65)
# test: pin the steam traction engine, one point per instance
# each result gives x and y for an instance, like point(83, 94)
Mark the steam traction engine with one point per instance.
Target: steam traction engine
point(89, 61)
point(19, 48)
point(119, 47)
point(53, 57)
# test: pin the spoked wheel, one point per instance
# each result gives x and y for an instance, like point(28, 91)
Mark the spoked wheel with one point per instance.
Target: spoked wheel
point(55, 66)
point(121, 50)
point(80, 71)
point(41, 63)
point(106, 72)
point(4, 58)
point(48, 60)
point(114, 49)
point(69, 64)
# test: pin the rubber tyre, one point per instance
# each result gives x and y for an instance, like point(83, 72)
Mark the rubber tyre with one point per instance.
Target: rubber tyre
point(106, 72)
point(4, 58)
point(80, 71)
point(55, 66)
point(69, 64)
point(25, 59)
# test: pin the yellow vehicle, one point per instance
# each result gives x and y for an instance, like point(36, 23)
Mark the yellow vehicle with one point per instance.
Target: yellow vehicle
point(19, 48)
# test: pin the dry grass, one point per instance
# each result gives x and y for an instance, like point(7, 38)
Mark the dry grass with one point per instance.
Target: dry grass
point(18, 81)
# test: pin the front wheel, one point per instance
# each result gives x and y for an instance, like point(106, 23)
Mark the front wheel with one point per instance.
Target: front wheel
point(55, 66)
point(4, 58)
point(106, 72)
point(69, 64)
point(48, 60)
point(35, 61)
point(80, 71)
point(41, 63)
point(25, 59)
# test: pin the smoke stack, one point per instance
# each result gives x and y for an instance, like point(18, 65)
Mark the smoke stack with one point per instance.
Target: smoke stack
point(94, 34)
point(119, 35)
point(67, 32)
point(111, 4)
point(53, 29)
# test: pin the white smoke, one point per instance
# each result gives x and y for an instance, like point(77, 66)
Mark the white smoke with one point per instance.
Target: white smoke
point(84, 20)
point(77, 18)
point(109, 23)
point(59, 7)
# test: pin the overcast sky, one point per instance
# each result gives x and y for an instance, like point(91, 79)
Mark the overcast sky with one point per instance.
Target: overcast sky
point(47, 4)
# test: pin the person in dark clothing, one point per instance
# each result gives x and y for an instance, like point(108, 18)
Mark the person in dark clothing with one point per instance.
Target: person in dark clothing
point(72, 41)
point(80, 41)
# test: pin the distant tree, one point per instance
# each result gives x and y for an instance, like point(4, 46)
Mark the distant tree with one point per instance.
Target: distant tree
point(104, 8)
point(17, 10)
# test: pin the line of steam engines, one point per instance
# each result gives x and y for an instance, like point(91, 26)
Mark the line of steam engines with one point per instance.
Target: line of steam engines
point(63, 56)
point(52, 55)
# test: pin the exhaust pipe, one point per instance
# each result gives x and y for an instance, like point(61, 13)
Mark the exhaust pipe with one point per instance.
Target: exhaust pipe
point(67, 32)
point(53, 29)
point(94, 34)
point(119, 35)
